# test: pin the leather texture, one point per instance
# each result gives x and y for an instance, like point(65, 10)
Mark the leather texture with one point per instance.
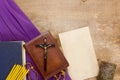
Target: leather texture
point(55, 58)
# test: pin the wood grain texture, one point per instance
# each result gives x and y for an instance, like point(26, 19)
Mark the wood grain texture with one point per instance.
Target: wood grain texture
point(103, 17)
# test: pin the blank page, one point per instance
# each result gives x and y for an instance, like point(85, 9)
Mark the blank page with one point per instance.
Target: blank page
point(78, 49)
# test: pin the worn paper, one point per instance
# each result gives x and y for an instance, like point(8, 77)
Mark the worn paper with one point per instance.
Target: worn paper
point(78, 49)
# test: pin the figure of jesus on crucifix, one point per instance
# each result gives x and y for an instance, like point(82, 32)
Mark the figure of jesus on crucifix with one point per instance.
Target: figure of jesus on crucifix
point(45, 46)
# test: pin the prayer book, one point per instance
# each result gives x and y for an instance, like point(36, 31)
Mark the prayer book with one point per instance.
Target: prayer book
point(46, 55)
point(11, 53)
point(78, 49)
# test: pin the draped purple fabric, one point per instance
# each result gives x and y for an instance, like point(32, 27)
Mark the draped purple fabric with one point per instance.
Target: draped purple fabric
point(15, 26)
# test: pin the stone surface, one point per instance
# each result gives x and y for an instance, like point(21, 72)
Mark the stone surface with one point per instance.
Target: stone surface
point(103, 17)
point(107, 71)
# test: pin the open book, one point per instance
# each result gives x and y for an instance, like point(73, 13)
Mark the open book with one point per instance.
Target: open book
point(78, 49)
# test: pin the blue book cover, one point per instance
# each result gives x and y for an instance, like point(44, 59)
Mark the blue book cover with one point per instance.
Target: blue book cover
point(10, 53)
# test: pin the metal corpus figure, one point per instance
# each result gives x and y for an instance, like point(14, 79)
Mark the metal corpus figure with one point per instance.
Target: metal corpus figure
point(45, 46)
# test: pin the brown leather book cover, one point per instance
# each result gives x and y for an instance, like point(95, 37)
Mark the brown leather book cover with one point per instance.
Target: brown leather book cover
point(46, 55)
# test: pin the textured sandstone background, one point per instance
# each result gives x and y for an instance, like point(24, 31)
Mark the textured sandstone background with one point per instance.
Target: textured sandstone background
point(103, 17)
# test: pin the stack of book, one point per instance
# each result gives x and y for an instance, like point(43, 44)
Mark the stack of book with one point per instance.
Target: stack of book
point(77, 55)
point(11, 53)
point(44, 52)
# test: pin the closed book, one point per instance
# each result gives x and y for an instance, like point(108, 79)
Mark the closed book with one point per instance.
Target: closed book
point(53, 62)
point(11, 53)
point(79, 51)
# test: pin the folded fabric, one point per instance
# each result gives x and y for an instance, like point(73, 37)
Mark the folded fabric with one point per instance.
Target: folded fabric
point(15, 26)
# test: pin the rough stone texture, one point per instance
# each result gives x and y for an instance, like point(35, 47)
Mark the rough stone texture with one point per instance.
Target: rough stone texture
point(107, 71)
point(103, 17)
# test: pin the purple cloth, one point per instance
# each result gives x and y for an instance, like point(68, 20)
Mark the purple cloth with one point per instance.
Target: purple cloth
point(15, 26)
